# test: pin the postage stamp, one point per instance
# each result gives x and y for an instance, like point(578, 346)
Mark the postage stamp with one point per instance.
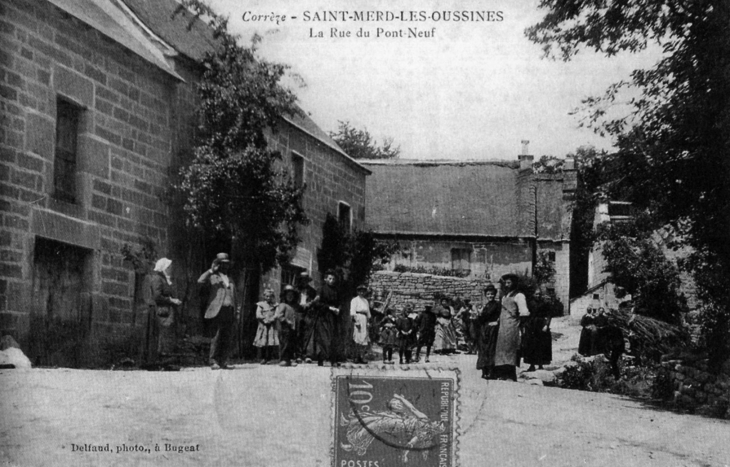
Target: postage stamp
point(395, 418)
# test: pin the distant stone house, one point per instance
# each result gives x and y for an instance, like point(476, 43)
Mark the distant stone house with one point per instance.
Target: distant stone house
point(601, 292)
point(98, 102)
point(482, 218)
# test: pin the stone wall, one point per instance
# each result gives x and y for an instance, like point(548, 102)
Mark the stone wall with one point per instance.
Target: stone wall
point(419, 289)
point(124, 153)
point(330, 178)
point(487, 259)
point(699, 390)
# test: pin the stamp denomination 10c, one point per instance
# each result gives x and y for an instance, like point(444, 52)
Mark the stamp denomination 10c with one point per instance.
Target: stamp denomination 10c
point(404, 418)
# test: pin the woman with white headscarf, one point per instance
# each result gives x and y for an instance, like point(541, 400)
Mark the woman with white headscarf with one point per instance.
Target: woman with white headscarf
point(163, 304)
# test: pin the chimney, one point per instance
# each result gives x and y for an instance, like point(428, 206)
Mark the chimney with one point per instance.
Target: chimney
point(569, 164)
point(525, 158)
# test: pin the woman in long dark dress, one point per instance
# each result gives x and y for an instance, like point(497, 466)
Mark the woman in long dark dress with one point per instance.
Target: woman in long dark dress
point(326, 323)
point(163, 305)
point(486, 325)
point(538, 348)
point(586, 334)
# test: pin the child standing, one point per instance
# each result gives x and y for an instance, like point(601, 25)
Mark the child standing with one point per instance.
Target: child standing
point(445, 341)
point(426, 324)
point(267, 339)
point(388, 336)
point(286, 320)
point(406, 333)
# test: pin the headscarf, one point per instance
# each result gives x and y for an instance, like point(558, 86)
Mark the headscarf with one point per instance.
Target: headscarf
point(161, 266)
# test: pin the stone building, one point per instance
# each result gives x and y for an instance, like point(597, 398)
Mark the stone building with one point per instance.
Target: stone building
point(98, 102)
point(474, 219)
point(601, 292)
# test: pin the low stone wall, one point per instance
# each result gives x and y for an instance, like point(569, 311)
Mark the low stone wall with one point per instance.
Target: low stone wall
point(419, 289)
point(697, 389)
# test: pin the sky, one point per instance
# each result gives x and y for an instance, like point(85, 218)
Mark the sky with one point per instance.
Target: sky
point(471, 91)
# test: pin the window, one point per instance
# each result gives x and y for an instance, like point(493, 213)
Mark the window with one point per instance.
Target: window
point(344, 216)
point(460, 259)
point(297, 163)
point(64, 162)
point(551, 256)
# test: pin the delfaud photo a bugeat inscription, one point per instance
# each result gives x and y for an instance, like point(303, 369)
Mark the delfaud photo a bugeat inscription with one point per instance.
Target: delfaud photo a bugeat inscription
point(364, 234)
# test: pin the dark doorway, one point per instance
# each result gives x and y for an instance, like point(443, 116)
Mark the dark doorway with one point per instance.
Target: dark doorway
point(61, 303)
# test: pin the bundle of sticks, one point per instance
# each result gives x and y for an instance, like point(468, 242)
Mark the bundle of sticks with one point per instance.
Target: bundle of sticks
point(653, 334)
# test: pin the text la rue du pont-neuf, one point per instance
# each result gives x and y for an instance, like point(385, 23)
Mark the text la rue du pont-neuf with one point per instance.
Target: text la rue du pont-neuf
point(436, 16)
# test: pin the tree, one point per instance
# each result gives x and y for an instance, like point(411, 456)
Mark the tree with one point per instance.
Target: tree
point(352, 255)
point(590, 165)
point(548, 165)
point(234, 186)
point(358, 144)
point(638, 264)
point(672, 156)
point(544, 270)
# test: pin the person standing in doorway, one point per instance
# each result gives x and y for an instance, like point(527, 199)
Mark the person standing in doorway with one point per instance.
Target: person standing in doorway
point(514, 307)
point(221, 309)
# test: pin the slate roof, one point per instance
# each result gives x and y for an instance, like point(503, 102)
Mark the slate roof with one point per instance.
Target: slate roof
point(184, 33)
point(453, 198)
point(112, 23)
point(193, 38)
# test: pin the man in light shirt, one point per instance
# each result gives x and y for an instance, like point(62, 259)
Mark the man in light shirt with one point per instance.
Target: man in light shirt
point(221, 309)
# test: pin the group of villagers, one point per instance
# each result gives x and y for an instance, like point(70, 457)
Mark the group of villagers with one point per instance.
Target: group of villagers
point(309, 325)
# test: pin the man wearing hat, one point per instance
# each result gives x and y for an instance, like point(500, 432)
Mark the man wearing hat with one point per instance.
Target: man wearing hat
point(221, 309)
point(305, 341)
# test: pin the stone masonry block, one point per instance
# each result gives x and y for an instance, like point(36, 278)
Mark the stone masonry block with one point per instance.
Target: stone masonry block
point(73, 85)
point(40, 135)
point(93, 155)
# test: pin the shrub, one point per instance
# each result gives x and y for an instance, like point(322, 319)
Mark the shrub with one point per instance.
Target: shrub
point(661, 387)
point(577, 376)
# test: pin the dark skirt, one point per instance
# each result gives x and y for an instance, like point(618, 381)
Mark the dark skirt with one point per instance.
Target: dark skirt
point(323, 331)
point(585, 343)
point(487, 345)
point(538, 344)
point(388, 337)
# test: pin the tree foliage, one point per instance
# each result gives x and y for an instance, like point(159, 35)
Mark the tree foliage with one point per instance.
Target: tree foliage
point(548, 165)
point(358, 144)
point(353, 255)
point(674, 158)
point(673, 147)
point(236, 186)
point(544, 270)
point(590, 166)
point(637, 263)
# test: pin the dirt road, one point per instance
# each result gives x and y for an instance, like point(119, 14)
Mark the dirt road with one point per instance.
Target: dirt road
point(256, 415)
point(268, 416)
